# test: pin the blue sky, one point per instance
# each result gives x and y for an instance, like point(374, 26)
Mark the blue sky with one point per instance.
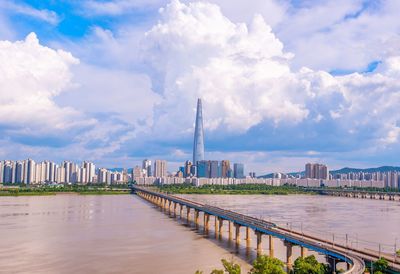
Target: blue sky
point(283, 82)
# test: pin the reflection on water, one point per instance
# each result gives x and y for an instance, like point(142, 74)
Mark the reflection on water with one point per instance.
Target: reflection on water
point(371, 224)
point(98, 234)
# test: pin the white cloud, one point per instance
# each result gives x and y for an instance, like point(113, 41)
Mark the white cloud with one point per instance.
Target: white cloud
point(44, 15)
point(245, 79)
point(240, 71)
point(118, 7)
point(31, 76)
point(341, 34)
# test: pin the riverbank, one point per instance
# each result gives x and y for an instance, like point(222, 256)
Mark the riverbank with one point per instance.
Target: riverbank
point(46, 191)
point(244, 189)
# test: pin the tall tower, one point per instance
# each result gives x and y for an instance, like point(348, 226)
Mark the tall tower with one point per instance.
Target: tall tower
point(198, 144)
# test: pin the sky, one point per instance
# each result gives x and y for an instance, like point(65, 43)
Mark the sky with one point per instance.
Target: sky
point(283, 82)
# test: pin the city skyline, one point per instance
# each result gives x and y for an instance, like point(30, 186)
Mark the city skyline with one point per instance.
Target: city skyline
point(94, 83)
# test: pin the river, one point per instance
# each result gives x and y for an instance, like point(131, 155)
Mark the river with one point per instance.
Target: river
point(125, 234)
point(98, 234)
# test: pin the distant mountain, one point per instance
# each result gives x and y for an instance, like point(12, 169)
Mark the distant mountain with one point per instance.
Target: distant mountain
point(369, 170)
point(345, 170)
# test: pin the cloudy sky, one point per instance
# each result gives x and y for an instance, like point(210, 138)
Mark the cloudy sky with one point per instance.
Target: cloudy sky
point(283, 82)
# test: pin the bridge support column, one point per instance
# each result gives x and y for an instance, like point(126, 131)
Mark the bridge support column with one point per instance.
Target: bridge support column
point(169, 207)
point(174, 209)
point(216, 227)
point(332, 263)
point(196, 218)
point(188, 215)
point(303, 251)
point(237, 235)
point(206, 223)
point(230, 230)
point(271, 246)
point(180, 211)
point(289, 252)
point(259, 243)
point(220, 226)
point(248, 238)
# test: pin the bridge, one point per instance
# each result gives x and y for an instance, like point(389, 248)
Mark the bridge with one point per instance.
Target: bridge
point(354, 258)
point(357, 193)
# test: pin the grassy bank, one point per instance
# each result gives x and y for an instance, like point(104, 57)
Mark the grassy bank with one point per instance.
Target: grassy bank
point(244, 189)
point(48, 190)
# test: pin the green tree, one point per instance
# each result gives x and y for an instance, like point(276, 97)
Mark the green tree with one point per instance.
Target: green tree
point(229, 267)
point(381, 265)
point(309, 265)
point(398, 252)
point(266, 265)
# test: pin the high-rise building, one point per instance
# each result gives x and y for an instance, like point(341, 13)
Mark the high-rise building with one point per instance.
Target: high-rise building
point(1, 171)
point(188, 169)
point(238, 170)
point(30, 171)
point(316, 171)
point(160, 168)
point(104, 176)
point(19, 172)
point(225, 167)
point(8, 172)
point(215, 171)
point(89, 169)
point(146, 165)
point(203, 169)
point(137, 172)
point(198, 144)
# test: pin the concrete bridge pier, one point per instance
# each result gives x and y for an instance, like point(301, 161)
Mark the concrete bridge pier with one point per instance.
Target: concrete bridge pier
point(175, 209)
point(230, 231)
point(216, 227)
point(188, 215)
point(169, 207)
point(332, 263)
point(248, 238)
point(220, 227)
point(181, 211)
point(259, 243)
point(164, 204)
point(237, 235)
point(289, 253)
point(196, 218)
point(206, 223)
point(271, 246)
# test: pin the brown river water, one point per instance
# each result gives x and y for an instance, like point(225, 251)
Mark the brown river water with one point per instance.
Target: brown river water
point(125, 234)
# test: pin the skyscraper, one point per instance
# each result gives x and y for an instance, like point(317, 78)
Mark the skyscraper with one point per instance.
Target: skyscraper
point(316, 171)
point(198, 144)
point(203, 169)
point(160, 168)
point(225, 167)
point(146, 165)
point(238, 170)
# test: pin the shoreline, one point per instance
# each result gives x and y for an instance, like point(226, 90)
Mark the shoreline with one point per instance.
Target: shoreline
point(38, 193)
